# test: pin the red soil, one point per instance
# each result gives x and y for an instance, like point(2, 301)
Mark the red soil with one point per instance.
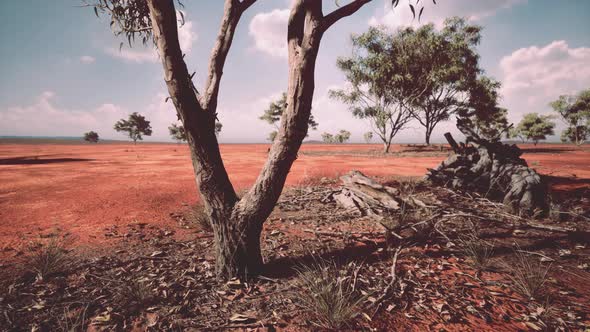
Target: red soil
point(82, 189)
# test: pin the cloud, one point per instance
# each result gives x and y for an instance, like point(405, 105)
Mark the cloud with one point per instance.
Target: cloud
point(147, 53)
point(536, 75)
point(87, 59)
point(44, 117)
point(269, 31)
point(436, 14)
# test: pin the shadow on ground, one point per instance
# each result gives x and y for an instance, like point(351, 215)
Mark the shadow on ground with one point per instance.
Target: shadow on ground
point(36, 161)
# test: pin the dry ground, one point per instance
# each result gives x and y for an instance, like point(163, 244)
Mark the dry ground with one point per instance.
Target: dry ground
point(82, 189)
point(122, 212)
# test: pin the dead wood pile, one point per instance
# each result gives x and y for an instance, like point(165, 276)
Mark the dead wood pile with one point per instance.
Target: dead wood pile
point(496, 170)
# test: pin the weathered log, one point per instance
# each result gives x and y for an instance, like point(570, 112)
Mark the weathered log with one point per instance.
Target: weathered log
point(494, 169)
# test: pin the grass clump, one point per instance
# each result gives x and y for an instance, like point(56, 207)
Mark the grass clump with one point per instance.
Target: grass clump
point(528, 275)
point(197, 216)
point(49, 259)
point(478, 251)
point(329, 295)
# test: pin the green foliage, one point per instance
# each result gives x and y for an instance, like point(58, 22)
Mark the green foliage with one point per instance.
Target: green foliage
point(368, 136)
point(441, 66)
point(272, 115)
point(177, 132)
point(380, 87)
point(535, 127)
point(480, 115)
point(128, 18)
point(136, 126)
point(575, 112)
point(91, 137)
point(341, 137)
point(327, 138)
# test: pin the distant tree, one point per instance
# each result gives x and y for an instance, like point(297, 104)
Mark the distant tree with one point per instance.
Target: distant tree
point(536, 127)
point(442, 65)
point(177, 132)
point(368, 136)
point(380, 86)
point(515, 133)
point(275, 110)
point(575, 113)
point(327, 138)
point(136, 127)
point(91, 137)
point(342, 137)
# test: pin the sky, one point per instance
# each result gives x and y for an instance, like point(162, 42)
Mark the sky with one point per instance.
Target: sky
point(63, 73)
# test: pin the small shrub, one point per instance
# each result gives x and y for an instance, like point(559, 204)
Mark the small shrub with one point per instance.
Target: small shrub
point(48, 259)
point(328, 295)
point(528, 275)
point(478, 251)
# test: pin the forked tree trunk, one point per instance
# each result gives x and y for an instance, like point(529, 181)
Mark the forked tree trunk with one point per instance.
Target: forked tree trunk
point(237, 224)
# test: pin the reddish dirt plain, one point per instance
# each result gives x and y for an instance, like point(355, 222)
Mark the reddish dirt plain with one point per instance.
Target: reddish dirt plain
point(82, 189)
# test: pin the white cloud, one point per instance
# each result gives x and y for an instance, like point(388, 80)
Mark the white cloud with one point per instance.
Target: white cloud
point(147, 53)
point(87, 59)
point(269, 31)
point(44, 117)
point(436, 14)
point(536, 75)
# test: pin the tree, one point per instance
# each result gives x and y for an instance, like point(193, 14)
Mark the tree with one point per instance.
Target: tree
point(274, 112)
point(575, 113)
point(442, 66)
point(480, 116)
point(327, 138)
point(380, 87)
point(368, 136)
point(91, 137)
point(535, 127)
point(136, 127)
point(342, 137)
point(177, 132)
point(236, 221)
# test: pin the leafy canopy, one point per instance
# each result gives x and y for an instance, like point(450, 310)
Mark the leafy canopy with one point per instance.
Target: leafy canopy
point(91, 137)
point(136, 126)
point(272, 115)
point(575, 112)
point(536, 127)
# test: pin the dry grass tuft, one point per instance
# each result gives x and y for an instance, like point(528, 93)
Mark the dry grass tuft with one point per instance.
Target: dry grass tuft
point(329, 295)
point(48, 259)
point(528, 275)
point(197, 216)
point(73, 320)
point(478, 251)
point(135, 293)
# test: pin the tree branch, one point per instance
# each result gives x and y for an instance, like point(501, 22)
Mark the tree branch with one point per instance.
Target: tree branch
point(232, 12)
point(341, 12)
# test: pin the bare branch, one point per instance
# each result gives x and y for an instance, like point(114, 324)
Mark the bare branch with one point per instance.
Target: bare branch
point(341, 12)
point(232, 12)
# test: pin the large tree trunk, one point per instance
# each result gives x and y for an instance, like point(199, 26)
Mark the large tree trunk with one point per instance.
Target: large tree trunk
point(237, 224)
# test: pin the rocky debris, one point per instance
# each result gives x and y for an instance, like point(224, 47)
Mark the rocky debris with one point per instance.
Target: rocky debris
point(496, 170)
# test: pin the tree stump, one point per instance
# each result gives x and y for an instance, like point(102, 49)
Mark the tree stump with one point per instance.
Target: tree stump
point(495, 170)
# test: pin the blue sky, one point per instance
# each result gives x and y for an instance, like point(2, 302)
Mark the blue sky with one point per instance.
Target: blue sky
point(62, 72)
